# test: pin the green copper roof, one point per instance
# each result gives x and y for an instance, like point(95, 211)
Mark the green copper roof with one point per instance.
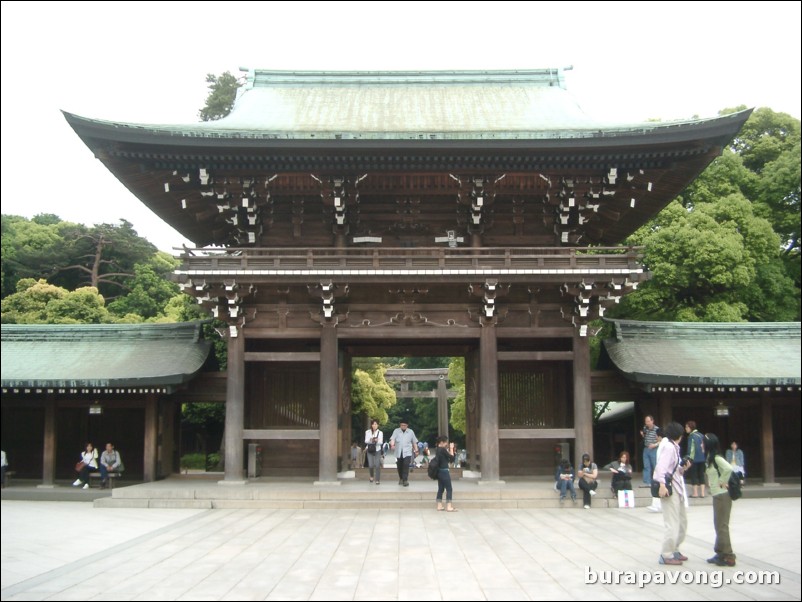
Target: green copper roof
point(403, 105)
point(101, 355)
point(717, 354)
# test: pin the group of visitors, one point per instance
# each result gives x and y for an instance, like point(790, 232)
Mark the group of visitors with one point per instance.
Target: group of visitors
point(406, 447)
point(667, 468)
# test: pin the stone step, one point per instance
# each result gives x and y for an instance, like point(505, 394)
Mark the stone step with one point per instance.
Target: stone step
point(389, 473)
point(350, 493)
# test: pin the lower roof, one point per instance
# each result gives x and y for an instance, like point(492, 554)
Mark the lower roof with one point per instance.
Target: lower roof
point(706, 353)
point(101, 356)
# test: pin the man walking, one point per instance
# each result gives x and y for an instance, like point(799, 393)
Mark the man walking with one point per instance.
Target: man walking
point(405, 445)
point(649, 432)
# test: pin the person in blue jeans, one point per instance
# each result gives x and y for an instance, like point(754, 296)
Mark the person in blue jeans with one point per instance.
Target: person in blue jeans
point(443, 458)
point(650, 434)
point(565, 480)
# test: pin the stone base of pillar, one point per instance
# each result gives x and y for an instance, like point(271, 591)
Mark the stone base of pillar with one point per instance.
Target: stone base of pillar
point(771, 484)
point(491, 483)
point(232, 482)
point(45, 486)
point(327, 483)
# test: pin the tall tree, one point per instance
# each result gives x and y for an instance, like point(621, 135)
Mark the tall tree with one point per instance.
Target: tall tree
point(727, 249)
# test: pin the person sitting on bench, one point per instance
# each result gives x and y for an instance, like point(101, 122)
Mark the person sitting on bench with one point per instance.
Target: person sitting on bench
point(110, 461)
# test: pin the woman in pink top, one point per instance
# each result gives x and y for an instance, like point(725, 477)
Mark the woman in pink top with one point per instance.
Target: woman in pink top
point(670, 469)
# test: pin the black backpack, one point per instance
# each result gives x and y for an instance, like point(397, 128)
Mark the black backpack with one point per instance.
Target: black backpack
point(733, 485)
point(433, 468)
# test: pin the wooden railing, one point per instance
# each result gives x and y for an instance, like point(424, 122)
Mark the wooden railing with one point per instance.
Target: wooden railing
point(403, 259)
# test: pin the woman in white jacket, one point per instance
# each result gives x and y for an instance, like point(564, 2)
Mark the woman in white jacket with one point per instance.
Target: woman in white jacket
point(374, 439)
point(89, 460)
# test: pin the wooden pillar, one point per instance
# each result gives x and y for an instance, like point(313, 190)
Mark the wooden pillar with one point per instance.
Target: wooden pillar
point(347, 436)
point(472, 437)
point(767, 440)
point(583, 404)
point(664, 405)
point(235, 410)
point(151, 437)
point(442, 408)
point(50, 444)
point(167, 411)
point(488, 403)
point(329, 392)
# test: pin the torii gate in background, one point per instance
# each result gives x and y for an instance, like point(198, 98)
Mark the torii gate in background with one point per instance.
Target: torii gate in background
point(425, 375)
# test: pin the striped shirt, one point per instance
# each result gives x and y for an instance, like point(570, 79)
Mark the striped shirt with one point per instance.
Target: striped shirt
point(650, 435)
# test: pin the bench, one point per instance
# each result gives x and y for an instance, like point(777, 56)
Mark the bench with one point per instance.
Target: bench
point(111, 475)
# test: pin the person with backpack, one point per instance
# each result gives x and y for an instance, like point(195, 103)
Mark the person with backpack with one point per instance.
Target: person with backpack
point(718, 472)
point(441, 461)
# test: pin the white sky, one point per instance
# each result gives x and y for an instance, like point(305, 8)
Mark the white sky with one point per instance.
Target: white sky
point(147, 62)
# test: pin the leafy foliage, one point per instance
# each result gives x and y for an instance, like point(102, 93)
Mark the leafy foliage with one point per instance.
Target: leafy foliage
point(727, 249)
point(456, 376)
point(37, 302)
point(222, 93)
point(371, 395)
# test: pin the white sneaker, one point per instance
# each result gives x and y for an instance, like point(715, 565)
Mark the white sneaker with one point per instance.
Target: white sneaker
point(76, 482)
point(592, 492)
point(587, 507)
point(85, 486)
point(653, 509)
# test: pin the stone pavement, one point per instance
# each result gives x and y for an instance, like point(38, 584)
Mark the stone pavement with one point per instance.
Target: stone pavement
point(72, 551)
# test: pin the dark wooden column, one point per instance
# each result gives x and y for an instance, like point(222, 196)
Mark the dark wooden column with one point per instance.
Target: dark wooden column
point(50, 444)
point(583, 404)
point(235, 410)
point(346, 435)
point(442, 408)
point(151, 437)
point(167, 411)
point(488, 402)
point(472, 408)
point(666, 410)
point(329, 392)
point(767, 440)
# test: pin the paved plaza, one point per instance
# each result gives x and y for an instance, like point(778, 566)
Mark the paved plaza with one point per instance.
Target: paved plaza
point(73, 551)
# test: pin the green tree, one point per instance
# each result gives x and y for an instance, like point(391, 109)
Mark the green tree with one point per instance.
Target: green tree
point(769, 144)
point(103, 256)
point(456, 376)
point(30, 249)
point(222, 93)
point(371, 395)
point(37, 302)
point(150, 291)
point(727, 249)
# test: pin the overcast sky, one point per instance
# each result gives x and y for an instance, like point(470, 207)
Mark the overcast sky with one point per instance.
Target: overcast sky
point(147, 61)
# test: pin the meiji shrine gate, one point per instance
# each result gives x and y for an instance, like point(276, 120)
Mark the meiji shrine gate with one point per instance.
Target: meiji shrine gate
point(470, 214)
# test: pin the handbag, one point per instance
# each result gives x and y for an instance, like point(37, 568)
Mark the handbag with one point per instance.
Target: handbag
point(372, 448)
point(79, 466)
point(669, 484)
